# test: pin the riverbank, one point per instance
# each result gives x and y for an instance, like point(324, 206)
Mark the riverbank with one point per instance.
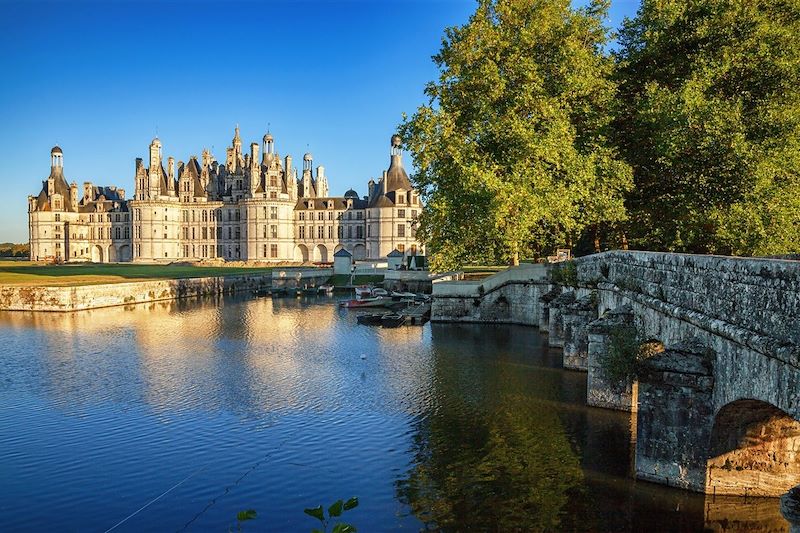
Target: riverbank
point(80, 297)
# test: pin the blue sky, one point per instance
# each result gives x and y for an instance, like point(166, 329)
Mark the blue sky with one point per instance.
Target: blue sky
point(102, 78)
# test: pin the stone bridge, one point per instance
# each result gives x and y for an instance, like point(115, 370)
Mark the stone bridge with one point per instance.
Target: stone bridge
point(716, 385)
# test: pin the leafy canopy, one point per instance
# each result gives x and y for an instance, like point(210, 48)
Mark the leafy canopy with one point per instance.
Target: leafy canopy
point(710, 122)
point(512, 150)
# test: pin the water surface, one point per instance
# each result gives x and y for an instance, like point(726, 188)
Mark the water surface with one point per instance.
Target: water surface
point(191, 411)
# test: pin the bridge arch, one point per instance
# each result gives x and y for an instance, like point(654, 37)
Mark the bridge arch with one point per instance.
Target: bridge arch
point(753, 450)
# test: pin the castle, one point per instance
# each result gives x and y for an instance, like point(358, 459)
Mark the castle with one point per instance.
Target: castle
point(250, 208)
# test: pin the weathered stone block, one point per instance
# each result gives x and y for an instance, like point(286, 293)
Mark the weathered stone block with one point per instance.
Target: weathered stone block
point(675, 417)
point(576, 318)
point(600, 391)
point(556, 325)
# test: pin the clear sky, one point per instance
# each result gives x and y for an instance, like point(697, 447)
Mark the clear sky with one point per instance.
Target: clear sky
point(102, 78)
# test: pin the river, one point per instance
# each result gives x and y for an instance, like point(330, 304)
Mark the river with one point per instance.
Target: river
point(174, 416)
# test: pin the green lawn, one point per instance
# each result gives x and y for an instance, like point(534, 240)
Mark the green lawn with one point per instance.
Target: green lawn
point(27, 273)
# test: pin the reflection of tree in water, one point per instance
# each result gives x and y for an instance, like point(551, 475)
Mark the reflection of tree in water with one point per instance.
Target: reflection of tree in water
point(489, 456)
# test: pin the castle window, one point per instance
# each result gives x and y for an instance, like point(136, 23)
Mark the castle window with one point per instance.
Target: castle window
point(349, 232)
point(359, 215)
point(126, 217)
point(401, 213)
point(264, 254)
point(205, 215)
point(205, 233)
point(273, 195)
point(273, 212)
point(330, 215)
point(274, 231)
point(413, 213)
point(330, 232)
point(360, 232)
point(186, 233)
point(238, 215)
point(340, 232)
point(302, 232)
point(401, 230)
point(58, 217)
point(320, 232)
point(91, 218)
point(127, 232)
point(273, 181)
point(273, 250)
point(117, 233)
point(116, 217)
point(320, 216)
point(301, 215)
point(238, 233)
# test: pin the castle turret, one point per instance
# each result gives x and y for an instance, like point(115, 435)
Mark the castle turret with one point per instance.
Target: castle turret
point(322, 182)
point(154, 177)
point(308, 183)
point(255, 169)
point(73, 195)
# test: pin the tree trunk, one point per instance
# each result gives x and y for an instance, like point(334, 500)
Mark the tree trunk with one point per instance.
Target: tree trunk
point(515, 259)
point(624, 241)
point(596, 239)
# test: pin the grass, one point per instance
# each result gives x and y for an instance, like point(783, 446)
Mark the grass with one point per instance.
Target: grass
point(25, 273)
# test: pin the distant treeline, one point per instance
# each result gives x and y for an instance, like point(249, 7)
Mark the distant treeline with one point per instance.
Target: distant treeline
point(9, 249)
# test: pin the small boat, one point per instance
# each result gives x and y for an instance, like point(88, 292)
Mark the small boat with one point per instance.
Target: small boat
point(370, 319)
point(403, 295)
point(363, 292)
point(325, 289)
point(366, 302)
point(392, 320)
point(379, 292)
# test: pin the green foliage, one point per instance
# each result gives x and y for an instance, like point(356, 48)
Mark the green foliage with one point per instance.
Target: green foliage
point(627, 352)
point(710, 122)
point(512, 151)
point(334, 511)
point(10, 249)
point(565, 273)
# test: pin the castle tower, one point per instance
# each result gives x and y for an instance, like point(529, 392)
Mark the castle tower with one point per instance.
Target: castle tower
point(255, 169)
point(56, 158)
point(308, 182)
point(154, 177)
point(322, 182)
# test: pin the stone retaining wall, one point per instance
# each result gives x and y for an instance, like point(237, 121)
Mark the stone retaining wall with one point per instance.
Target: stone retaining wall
point(508, 297)
point(112, 294)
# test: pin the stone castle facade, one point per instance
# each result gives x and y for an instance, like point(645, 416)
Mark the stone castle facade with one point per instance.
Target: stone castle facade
point(256, 208)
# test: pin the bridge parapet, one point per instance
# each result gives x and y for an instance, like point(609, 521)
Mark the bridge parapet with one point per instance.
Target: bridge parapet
point(753, 302)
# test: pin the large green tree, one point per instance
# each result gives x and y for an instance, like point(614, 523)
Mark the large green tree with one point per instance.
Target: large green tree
point(511, 151)
point(710, 122)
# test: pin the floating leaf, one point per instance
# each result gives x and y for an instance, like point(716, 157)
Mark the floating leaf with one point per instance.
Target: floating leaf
point(243, 516)
point(351, 503)
point(344, 528)
point(336, 508)
point(316, 512)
